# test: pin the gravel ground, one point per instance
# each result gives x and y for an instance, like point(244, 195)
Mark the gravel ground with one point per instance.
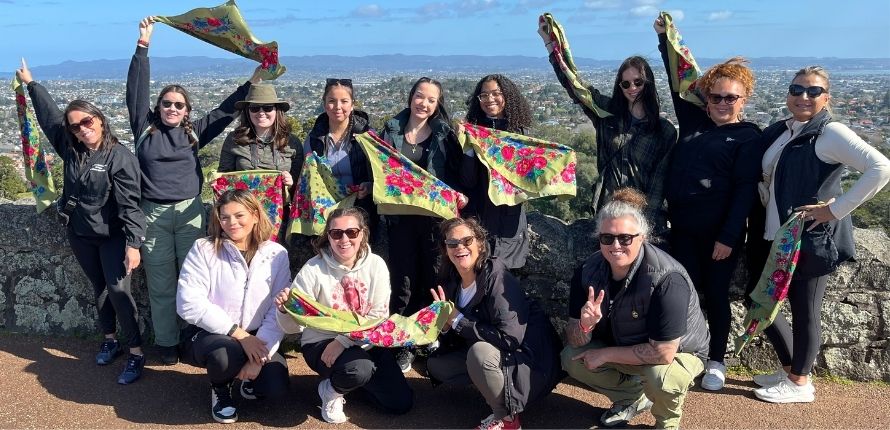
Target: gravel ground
point(53, 383)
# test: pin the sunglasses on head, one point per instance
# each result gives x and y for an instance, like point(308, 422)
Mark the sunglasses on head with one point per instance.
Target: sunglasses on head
point(636, 83)
point(264, 108)
point(798, 90)
point(334, 81)
point(623, 239)
point(337, 234)
point(74, 128)
point(466, 242)
point(730, 99)
point(168, 103)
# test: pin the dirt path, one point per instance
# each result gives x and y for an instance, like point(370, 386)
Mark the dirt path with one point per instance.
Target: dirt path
point(52, 383)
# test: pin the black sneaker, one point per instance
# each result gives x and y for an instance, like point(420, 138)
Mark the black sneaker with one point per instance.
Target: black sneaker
point(247, 390)
point(133, 369)
point(169, 355)
point(109, 349)
point(404, 357)
point(222, 407)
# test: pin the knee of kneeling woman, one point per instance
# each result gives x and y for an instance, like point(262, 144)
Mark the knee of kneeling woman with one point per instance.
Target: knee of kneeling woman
point(360, 371)
point(572, 367)
point(484, 355)
point(400, 405)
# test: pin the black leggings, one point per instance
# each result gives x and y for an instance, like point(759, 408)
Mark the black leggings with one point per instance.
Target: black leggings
point(102, 259)
point(375, 371)
point(694, 250)
point(412, 262)
point(797, 344)
point(223, 357)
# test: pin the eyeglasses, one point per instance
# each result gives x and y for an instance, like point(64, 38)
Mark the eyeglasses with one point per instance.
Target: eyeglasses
point(636, 83)
point(329, 82)
point(492, 95)
point(168, 103)
point(337, 234)
point(798, 90)
point(466, 242)
point(730, 99)
point(623, 239)
point(75, 127)
point(258, 108)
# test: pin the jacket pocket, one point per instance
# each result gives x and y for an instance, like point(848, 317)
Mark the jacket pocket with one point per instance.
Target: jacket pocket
point(818, 253)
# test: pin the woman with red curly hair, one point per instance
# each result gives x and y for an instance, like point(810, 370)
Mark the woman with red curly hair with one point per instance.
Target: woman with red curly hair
point(711, 187)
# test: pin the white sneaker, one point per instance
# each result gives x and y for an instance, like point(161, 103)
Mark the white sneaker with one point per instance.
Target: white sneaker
point(715, 376)
point(787, 392)
point(771, 379)
point(331, 403)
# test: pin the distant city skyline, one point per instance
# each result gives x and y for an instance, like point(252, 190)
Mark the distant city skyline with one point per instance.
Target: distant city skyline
point(50, 32)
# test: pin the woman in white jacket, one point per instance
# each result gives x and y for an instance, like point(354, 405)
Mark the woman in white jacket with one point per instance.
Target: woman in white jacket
point(346, 275)
point(227, 286)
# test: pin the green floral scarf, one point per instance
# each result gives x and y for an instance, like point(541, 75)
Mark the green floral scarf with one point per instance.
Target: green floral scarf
point(266, 185)
point(318, 194)
point(684, 70)
point(37, 171)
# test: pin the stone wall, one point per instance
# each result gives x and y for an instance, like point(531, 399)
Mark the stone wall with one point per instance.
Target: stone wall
point(43, 290)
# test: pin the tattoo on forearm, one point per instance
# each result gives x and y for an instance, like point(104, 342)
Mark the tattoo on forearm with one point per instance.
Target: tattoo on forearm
point(646, 353)
point(575, 335)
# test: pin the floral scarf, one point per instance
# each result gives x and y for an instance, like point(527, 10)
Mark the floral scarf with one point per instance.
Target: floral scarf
point(318, 193)
point(402, 187)
point(521, 168)
point(422, 328)
point(772, 288)
point(37, 171)
point(684, 71)
point(223, 26)
point(563, 56)
point(266, 185)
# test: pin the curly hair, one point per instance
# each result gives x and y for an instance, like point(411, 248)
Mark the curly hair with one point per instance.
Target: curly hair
point(446, 268)
point(517, 112)
point(186, 121)
point(322, 242)
point(108, 138)
point(245, 134)
point(734, 69)
point(648, 97)
point(261, 232)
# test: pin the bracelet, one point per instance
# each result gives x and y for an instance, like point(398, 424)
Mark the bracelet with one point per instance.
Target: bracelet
point(234, 328)
point(585, 330)
point(142, 43)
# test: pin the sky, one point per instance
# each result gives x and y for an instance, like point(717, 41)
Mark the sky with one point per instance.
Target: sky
point(52, 31)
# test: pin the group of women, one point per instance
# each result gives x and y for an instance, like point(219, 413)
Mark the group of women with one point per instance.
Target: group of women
point(216, 301)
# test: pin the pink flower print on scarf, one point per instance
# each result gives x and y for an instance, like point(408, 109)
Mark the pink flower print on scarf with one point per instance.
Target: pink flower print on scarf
point(350, 295)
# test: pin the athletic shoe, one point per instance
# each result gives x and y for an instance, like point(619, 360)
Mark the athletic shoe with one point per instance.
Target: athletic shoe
point(133, 369)
point(771, 379)
point(169, 355)
point(222, 407)
point(489, 423)
point(247, 390)
point(427, 350)
point(715, 376)
point(404, 357)
point(109, 349)
point(787, 392)
point(620, 415)
point(331, 403)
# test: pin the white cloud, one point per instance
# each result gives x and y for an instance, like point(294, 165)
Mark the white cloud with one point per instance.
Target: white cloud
point(645, 11)
point(719, 15)
point(369, 11)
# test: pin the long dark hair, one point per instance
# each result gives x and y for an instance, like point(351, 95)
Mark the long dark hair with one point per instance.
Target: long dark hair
point(186, 120)
point(517, 112)
point(441, 111)
point(446, 267)
point(648, 97)
point(108, 138)
point(245, 134)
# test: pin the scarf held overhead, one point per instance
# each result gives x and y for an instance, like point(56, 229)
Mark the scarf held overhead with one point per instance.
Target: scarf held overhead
point(684, 70)
point(224, 27)
point(772, 288)
point(563, 56)
point(266, 185)
point(422, 328)
point(37, 172)
point(402, 187)
point(521, 168)
point(318, 193)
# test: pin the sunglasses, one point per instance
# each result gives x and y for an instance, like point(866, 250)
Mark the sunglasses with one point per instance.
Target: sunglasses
point(75, 127)
point(492, 95)
point(636, 83)
point(264, 108)
point(168, 103)
point(730, 99)
point(798, 90)
point(466, 242)
point(623, 239)
point(334, 81)
point(337, 234)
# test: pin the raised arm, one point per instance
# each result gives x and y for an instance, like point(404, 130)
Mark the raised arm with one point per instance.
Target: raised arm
point(216, 121)
point(138, 77)
point(49, 116)
point(689, 115)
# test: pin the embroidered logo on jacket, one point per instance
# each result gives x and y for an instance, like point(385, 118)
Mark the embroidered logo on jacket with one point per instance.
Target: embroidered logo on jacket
point(99, 168)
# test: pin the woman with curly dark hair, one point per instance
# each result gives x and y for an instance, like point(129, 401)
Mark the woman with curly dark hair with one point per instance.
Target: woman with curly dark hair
point(497, 103)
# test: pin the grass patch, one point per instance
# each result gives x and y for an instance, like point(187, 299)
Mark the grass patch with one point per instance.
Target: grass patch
point(834, 379)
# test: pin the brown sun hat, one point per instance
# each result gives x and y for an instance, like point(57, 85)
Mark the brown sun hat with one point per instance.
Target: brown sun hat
point(262, 94)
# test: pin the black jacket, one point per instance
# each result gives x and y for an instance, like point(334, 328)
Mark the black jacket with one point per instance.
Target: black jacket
point(443, 148)
point(801, 178)
point(501, 315)
point(167, 154)
point(106, 182)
